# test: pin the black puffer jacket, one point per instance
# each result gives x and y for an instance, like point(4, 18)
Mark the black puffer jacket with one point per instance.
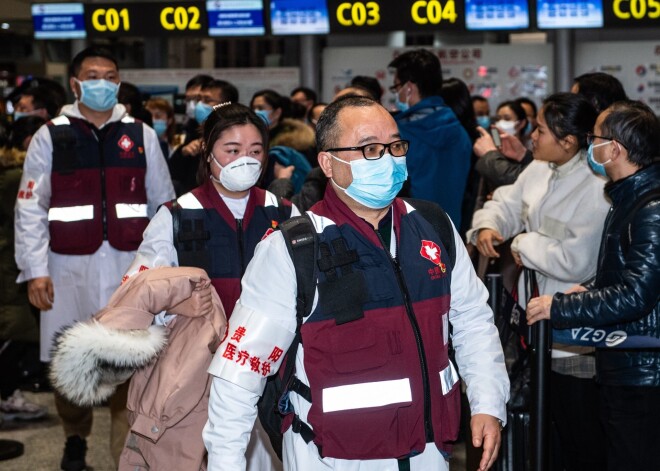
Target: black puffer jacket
point(626, 291)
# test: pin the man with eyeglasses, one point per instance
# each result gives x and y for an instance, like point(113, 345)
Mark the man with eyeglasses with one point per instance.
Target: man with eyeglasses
point(374, 386)
point(624, 296)
point(440, 151)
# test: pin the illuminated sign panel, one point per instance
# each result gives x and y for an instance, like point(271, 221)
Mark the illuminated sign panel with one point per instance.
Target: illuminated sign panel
point(496, 14)
point(235, 17)
point(58, 20)
point(552, 14)
point(299, 17)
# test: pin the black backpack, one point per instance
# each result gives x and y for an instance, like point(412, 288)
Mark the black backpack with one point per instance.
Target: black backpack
point(302, 243)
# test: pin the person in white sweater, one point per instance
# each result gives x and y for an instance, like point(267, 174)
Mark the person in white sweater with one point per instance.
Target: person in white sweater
point(555, 213)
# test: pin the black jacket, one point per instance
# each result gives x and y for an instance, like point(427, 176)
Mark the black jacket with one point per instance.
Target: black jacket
point(626, 291)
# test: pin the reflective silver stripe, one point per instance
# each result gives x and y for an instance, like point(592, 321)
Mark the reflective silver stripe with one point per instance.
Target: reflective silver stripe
point(448, 377)
point(71, 213)
point(189, 201)
point(60, 120)
point(360, 396)
point(125, 210)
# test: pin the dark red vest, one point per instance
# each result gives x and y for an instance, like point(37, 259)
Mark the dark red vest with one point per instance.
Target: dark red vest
point(98, 186)
point(399, 341)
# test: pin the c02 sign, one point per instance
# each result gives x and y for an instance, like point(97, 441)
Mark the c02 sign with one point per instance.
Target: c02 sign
point(180, 18)
point(111, 20)
point(358, 13)
point(636, 9)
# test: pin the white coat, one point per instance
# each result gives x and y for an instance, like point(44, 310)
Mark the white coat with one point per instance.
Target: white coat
point(83, 284)
point(268, 301)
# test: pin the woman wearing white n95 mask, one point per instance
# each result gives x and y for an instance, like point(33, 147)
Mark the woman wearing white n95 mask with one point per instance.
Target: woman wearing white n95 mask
point(216, 226)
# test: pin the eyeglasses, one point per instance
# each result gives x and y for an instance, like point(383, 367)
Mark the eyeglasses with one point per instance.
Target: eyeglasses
point(591, 137)
point(376, 150)
point(396, 87)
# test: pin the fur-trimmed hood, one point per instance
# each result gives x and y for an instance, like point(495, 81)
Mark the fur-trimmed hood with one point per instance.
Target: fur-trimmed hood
point(90, 359)
point(295, 134)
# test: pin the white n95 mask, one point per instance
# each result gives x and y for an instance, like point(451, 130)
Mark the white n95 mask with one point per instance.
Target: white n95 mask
point(239, 175)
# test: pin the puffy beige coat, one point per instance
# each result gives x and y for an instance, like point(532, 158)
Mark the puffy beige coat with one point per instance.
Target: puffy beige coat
point(168, 394)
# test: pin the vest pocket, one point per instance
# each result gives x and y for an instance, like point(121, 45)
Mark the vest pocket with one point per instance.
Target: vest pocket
point(445, 408)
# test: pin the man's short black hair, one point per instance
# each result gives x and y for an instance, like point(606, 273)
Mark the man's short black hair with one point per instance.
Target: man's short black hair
point(600, 89)
point(228, 91)
point(198, 80)
point(43, 98)
point(327, 128)
point(308, 92)
point(479, 98)
point(422, 68)
point(92, 51)
point(523, 100)
point(636, 127)
point(370, 83)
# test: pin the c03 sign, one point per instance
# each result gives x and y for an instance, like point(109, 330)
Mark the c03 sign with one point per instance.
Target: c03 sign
point(366, 16)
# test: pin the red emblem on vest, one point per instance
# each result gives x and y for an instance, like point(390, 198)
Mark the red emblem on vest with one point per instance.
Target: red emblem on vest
point(125, 143)
point(431, 251)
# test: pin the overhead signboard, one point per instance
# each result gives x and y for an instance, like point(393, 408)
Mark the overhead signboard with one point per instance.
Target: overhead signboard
point(235, 17)
point(631, 13)
point(299, 17)
point(145, 19)
point(484, 15)
point(396, 15)
point(554, 14)
point(58, 20)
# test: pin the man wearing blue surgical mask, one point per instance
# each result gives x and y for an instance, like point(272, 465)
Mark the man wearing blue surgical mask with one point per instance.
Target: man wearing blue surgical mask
point(184, 162)
point(386, 291)
point(92, 178)
point(441, 150)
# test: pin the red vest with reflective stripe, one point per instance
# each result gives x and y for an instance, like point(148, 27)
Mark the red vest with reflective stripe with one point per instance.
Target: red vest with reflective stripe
point(382, 386)
point(98, 186)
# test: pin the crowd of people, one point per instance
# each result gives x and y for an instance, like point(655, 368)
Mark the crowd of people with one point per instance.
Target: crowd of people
point(141, 250)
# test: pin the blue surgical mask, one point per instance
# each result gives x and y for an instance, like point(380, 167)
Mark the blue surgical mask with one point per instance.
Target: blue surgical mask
point(528, 129)
point(483, 121)
point(21, 114)
point(265, 115)
point(99, 95)
point(160, 126)
point(402, 106)
point(375, 182)
point(597, 167)
point(202, 111)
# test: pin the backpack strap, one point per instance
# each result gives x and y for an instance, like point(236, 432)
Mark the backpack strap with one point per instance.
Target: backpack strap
point(190, 237)
point(438, 218)
point(626, 230)
point(64, 146)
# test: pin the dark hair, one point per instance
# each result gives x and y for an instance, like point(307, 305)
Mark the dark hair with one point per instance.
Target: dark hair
point(42, 98)
point(198, 80)
point(222, 118)
point(518, 110)
point(92, 51)
point(422, 68)
point(568, 114)
point(275, 100)
point(523, 100)
point(456, 95)
point(130, 95)
point(271, 97)
point(637, 128)
point(369, 83)
point(228, 91)
point(479, 98)
point(22, 128)
point(357, 90)
point(600, 89)
point(308, 92)
point(327, 129)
